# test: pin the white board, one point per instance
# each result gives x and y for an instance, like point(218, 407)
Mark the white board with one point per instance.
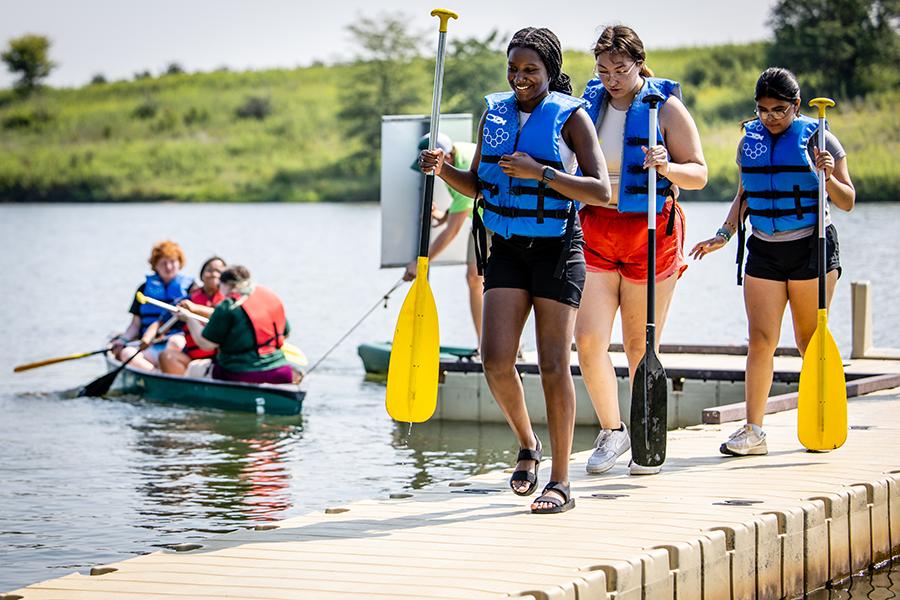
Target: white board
point(402, 189)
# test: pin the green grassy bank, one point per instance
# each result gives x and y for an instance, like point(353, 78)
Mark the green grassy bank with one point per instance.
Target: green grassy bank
point(197, 137)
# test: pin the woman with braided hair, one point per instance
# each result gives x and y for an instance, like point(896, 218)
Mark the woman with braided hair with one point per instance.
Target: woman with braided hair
point(524, 167)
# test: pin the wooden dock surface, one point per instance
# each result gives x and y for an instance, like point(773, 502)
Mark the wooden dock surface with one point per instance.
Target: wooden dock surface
point(708, 527)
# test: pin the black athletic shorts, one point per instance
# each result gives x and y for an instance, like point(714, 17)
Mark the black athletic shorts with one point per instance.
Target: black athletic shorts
point(530, 264)
point(795, 260)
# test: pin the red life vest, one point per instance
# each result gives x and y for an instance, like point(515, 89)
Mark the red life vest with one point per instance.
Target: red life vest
point(266, 314)
point(190, 347)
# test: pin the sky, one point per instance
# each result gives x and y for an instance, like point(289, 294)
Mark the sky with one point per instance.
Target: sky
point(118, 38)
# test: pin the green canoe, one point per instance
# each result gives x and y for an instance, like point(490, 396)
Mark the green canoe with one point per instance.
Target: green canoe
point(264, 398)
point(376, 356)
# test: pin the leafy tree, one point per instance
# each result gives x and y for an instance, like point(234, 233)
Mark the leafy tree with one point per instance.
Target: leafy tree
point(28, 56)
point(838, 47)
point(174, 68)
point(382, 82)
point(474, 68)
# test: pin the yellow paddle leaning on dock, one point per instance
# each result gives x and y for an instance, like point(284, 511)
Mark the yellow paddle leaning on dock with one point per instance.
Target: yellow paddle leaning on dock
point(822, 400)
point(415, 353)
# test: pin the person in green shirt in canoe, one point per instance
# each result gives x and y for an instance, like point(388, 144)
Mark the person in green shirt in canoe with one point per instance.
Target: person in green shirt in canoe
point(248, 328)
point(460, 155)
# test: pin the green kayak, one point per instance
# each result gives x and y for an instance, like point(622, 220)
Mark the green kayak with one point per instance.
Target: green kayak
point(264, 398)
point(376, 356)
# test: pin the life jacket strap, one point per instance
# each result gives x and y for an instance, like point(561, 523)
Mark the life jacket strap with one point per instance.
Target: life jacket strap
point(479, 233)
point(775, 213)
point(773, 169)
point(493, 159)
point(516, 212)
point(776, 194)
point(741, 237)
point(567, 243)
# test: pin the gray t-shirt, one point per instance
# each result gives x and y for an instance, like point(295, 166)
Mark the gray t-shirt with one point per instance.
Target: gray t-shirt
point(834, 147)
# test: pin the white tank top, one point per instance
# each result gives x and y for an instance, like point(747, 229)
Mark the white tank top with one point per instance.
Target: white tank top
point(565, 153)
point(611, 135)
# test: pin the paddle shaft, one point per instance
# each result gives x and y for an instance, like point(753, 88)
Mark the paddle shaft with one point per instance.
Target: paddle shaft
point(821, 225)
point(425, 229)
point(172, 308)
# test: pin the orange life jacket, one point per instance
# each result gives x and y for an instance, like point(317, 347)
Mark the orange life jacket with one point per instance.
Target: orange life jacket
point(190, 347)
point(266, 314)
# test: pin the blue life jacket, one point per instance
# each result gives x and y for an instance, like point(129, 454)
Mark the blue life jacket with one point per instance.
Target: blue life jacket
point(633, 178)
point(780, 182)
point(525, 207)
point(154, 287)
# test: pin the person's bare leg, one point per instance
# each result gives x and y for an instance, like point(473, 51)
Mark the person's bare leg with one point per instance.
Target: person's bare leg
point(475, 283)
point(803, 296)
point(765, 300)
point(505, 313)
point(554, 327)
point(593, 330)
point(634, 317)
point(173, 362)
point(141, 362)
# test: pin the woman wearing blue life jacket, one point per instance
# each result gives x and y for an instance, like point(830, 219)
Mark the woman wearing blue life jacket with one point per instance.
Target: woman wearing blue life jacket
point(524, 167)
point(779, 162)
point(166, 283)
point(615, 234)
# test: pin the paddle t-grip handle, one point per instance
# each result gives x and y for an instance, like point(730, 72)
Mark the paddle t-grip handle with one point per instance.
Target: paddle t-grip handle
point(444, 15)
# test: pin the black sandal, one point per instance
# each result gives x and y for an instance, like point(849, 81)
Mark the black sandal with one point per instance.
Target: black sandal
point(558, 506)
point(529, 476)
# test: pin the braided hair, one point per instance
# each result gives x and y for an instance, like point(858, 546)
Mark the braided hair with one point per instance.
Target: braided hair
point(546, 44)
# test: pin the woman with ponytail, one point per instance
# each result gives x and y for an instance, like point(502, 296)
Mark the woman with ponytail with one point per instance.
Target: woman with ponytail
point(615, 234)
point(779, 160)
point(524, 167)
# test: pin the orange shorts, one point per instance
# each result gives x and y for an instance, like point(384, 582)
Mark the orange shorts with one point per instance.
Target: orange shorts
point(617, 242)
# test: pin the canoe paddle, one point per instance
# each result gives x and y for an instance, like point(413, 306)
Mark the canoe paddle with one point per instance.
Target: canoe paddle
point(59, 359)
point(100, 386)
point(649, 394)
point(415, 353)
point(822, 397)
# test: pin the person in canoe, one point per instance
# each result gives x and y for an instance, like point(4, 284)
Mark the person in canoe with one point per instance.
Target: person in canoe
point(525, 165)
point(460, 155)
point(780, 158)
point(166, 283)
point(247, 329)
point(182, 349)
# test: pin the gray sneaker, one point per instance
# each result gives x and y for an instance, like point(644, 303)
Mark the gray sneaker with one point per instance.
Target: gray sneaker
point(749, 439)
point(609, 446)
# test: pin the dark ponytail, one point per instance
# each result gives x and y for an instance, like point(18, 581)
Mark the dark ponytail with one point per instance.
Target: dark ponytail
point(546, 44)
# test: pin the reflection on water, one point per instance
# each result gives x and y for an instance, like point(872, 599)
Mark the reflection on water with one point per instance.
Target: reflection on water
point(882, 584)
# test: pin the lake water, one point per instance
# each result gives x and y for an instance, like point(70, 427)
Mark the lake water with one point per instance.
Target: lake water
point(90, 481)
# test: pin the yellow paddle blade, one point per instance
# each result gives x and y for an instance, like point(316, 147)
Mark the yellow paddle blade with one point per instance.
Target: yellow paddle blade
point(294, 355)
point(412, 381)
point(822, 401)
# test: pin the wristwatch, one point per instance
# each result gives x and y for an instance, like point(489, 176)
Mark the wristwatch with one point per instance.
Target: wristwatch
point(548, 175)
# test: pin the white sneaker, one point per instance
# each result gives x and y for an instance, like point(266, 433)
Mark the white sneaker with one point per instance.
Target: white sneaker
point(636, 469)
point(608, 447)
point(749, 439)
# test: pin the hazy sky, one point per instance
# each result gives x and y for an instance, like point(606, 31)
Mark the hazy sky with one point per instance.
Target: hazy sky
point(119, 37)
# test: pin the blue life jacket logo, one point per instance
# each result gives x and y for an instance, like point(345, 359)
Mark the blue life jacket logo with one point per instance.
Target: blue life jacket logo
point(591, 93)
point(499, 136)
point(753, 151)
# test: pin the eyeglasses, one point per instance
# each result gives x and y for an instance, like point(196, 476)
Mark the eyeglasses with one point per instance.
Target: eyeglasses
point(618, 74)
point(776, 114)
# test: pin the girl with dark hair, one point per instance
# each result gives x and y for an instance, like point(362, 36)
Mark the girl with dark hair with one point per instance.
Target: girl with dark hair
point(779, 159)
point(615, 234)
point(524, 167)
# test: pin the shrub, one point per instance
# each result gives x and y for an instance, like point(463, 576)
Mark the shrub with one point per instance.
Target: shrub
point(98, 79)
point(195, 115)
point(254, 107)
point(174, 69)
point(27, 119)
point(146, 110)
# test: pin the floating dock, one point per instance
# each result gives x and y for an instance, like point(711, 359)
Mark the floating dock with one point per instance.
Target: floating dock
point(707, 527)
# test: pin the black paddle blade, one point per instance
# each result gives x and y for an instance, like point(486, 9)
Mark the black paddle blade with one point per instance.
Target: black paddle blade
point(101, 385)
point(649, 401)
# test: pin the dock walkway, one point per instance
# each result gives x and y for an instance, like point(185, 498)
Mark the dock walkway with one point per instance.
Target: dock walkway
point(708, 527)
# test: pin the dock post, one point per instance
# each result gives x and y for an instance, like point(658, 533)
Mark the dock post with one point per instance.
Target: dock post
point(861, 307)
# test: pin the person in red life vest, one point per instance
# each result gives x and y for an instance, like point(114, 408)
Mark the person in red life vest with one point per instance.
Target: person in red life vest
point(168, 284)
point(182, 349)
point(248, 329)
